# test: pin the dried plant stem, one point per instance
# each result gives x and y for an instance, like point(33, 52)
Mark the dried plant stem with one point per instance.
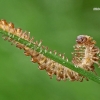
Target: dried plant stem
point(54, 57)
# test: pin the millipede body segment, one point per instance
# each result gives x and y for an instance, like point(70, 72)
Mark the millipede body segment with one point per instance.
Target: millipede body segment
point(85, 55)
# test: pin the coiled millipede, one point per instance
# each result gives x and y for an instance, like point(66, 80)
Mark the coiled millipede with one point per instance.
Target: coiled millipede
point(84, 56)
point(86, 53)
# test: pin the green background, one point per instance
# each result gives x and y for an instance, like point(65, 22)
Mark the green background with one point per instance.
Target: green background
point(57, 23)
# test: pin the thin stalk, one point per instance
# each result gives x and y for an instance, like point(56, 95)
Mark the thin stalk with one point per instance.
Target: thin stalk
point(54, 57)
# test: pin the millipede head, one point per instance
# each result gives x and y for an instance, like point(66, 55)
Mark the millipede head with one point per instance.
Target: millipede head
point(81, 39)
point(85, 39)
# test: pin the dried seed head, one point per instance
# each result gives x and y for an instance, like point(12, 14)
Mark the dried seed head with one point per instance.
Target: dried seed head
point(3, 22)
point(11, 25)
point(85, 55)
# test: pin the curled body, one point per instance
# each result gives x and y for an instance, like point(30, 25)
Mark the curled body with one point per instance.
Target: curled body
point(86, 54)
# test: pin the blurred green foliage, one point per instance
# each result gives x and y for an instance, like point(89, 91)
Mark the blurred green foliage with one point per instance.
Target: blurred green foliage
point(57, 23)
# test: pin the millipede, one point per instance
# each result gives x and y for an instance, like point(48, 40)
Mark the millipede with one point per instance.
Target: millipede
point(85, 54)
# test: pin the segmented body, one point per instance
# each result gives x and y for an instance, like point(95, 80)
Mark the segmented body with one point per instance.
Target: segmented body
point(86, 53)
